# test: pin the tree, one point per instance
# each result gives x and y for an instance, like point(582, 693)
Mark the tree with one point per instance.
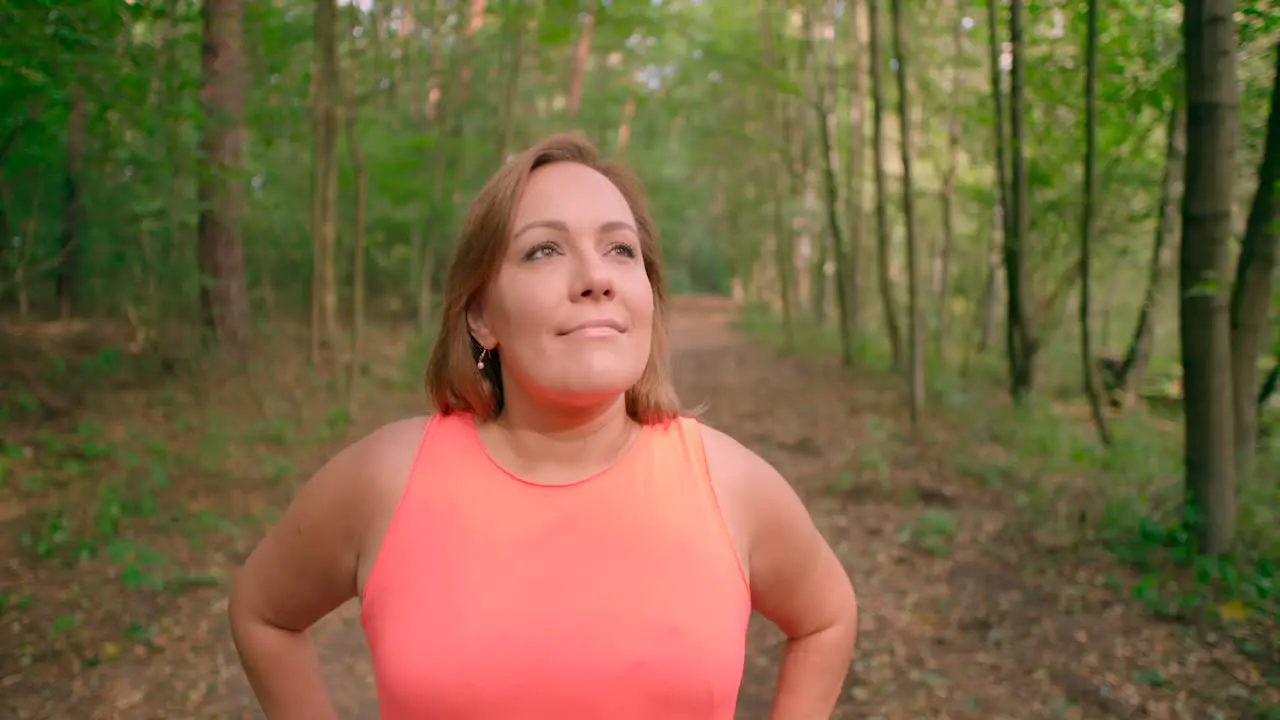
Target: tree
point(1251, 293)
point(854, 165)
point(915, 312)
point(72, 208)
point(831, 188)
point(358, 241)
point(1204, 332)
point(1020, 345)
point(581, 53)
point(1133, 368)
point(514, 23)
point(324, 180)
point(224, 298)
point(882, 204)
point(776, 137)
point(1091, 389)
point(954, 112)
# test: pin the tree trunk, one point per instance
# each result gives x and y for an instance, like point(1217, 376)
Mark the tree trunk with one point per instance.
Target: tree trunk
point(915, 310)
point(949, 186)
point(333, 100)
point(316, 327)
point(1002, 215)
point(438, 17)
point(1251, 295)
point(992, 285)
point(450, 159)
point(357, 250)
point(1091, 389)
point(795, 149)
point(70, 237)
point(832, 189)
point(853, 172)
point(783, 255)
point(1020, 344)
point(819, 242)
point(624, 126)
point(408, 45)
point(515, 17)
point(1268, 388)
point(1211, 94)
point(437, 115)
point(176, 148)
point(882, 207)
point(1133, 370)
point(474, 20)
point(324, 181)
point(581, 53)
point(224, 298)
point(986, 315)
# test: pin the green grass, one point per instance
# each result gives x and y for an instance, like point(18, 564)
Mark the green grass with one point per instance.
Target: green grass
point(1126, 499)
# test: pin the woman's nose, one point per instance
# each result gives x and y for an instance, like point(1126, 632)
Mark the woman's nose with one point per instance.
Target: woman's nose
point(593, 278)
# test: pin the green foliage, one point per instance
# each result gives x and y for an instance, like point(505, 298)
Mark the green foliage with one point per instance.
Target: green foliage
point(689, 80)
point(1127, 498)
point(720, 138)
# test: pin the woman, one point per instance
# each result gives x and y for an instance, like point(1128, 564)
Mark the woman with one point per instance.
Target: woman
point(557, 541)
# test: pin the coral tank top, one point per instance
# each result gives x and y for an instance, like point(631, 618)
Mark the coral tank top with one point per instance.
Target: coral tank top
point(620, 596)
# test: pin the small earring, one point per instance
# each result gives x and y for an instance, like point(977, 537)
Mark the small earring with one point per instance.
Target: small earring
point(480, 361)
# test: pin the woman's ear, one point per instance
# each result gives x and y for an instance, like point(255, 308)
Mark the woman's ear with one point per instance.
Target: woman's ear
point(479, 327)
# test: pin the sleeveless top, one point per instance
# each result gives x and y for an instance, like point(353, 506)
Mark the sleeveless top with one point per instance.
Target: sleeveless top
point(619, 596)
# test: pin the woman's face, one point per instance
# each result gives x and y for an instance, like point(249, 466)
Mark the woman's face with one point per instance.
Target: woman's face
point(571, 309)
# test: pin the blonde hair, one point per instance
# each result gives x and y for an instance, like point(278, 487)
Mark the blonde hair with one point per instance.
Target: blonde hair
point(453, 381)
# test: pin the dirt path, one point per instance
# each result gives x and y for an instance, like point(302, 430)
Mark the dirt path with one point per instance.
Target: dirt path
point(961, 616)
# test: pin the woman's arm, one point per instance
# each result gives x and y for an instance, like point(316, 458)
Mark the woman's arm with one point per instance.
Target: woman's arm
point(305, 567)
point(797, 583)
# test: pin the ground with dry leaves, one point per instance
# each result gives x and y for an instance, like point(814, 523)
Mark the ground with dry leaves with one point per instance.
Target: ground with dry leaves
point(123, 518)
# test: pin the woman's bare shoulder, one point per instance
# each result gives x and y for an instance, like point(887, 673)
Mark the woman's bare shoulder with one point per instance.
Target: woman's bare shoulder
point(796, 580)
point(360, 479)
point(729, 460)
point(751, 484)
point(391, 447)
point(307, 564)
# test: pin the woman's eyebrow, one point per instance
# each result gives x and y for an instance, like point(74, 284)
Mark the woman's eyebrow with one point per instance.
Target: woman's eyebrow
point(611, 226)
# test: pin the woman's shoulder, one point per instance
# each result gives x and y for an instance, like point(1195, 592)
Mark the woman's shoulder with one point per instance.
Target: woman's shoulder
point(372, 467)
point(319, 541)
point(386, 441)
point(726, 456)
point(771, 514)
point(396, 434)
point(387, 452)
point(738, 469)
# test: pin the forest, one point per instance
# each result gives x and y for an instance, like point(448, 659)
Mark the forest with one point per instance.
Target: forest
point(992, 283)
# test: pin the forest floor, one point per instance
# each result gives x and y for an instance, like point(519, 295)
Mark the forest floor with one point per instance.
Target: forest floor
point(122, 519)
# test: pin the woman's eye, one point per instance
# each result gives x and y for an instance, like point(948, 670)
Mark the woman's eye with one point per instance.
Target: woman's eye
point(540, 251)
point(623, 249)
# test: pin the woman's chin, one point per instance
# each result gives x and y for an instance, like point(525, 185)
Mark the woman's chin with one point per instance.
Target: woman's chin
point(581, 392)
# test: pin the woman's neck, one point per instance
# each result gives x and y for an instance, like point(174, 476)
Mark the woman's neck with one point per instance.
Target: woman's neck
point(589, 437)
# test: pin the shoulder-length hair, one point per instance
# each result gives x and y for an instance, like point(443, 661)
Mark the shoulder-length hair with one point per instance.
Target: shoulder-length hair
point(453, 381)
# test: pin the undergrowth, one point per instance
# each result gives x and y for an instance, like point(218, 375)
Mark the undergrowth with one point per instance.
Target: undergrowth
point(1126, 499)
point(146, 488)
